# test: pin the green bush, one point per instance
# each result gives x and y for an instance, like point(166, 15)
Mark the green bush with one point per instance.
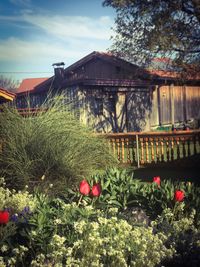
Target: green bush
point(178, 225)
point(52, 146)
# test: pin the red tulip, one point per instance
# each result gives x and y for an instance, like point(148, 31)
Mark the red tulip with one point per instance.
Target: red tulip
point(84, 188)
point(179, 195)
point(156, 180)
point(96, 190)
point(4, 217)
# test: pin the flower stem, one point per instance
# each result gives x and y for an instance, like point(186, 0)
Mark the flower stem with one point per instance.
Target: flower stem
point(80, 200)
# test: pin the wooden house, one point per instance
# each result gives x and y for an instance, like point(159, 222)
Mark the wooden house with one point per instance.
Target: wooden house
point(113, 95)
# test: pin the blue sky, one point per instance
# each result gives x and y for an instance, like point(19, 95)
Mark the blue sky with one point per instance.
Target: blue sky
point(36, 33)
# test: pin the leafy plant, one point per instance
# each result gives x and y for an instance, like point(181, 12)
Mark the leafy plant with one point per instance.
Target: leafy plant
point(179, 228)
point(160, 198)
point(116, 187)
point(60, 233)
point(121, 190)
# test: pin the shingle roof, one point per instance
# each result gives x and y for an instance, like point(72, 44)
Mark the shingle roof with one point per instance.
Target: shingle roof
point(29, 84)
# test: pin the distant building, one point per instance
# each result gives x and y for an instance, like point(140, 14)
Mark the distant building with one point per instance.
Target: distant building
point(6, 96)
point(113, 95)
point(26, 87)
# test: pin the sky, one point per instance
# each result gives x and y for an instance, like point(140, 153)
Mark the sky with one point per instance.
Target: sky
point(34, 34)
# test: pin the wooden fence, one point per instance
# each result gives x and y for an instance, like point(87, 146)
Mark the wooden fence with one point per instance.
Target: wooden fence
point(139, 148)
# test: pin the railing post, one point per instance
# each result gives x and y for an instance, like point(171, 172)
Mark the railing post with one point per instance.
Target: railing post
point(137, 151)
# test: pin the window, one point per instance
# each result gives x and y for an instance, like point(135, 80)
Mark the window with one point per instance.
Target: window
point(118, 69)
point(98, 106)
point(110, 103)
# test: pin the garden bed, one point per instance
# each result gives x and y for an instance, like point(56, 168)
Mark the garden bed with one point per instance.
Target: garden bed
point(108, 220)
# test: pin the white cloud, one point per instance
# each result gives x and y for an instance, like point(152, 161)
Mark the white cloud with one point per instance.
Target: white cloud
point(51, 39)
point(66, 26)
point(14, 49)
point(72, 26)
point(43, 51)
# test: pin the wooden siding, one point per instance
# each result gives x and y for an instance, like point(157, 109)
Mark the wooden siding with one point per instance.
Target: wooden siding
point(99, 69)
point(176, 104)
point(165, 105)
point(131, 109)
point(138, 107)
point(178, 95)
point(192, 102)
point(30, 100)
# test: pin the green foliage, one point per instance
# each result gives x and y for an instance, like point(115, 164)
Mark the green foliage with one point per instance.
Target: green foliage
point(57, 233)
point(148, 29)
point(117, 186)
point(155, 199)
point(178, 226)
point(14, 200)
point(51, 147)
point(61, 234)
point(114, 242)
point(121, 190)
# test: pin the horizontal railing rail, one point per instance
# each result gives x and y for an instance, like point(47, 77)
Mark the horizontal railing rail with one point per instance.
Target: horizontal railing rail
point(30, 111)
point(143, 148)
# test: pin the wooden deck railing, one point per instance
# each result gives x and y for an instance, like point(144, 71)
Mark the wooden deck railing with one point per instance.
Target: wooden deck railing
point(143, 148)
point(25, 112)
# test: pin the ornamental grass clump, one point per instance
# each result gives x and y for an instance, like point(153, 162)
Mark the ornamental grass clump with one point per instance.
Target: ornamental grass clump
point(50, 147)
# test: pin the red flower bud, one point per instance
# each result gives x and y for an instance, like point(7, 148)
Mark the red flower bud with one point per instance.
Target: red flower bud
point(156, 180)
point(84, 188)
point(4, 217)
point(96, 190)
point(179, 195)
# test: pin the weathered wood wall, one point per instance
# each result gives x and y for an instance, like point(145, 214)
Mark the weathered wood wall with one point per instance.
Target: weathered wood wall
point(139, 110)
point(130, 109)
point(172, 104)
point(98, 69)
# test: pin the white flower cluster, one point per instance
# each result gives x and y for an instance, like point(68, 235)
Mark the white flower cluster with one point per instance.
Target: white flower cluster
point(19, 200)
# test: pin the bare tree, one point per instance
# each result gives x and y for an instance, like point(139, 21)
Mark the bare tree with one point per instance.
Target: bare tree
point(8, 83)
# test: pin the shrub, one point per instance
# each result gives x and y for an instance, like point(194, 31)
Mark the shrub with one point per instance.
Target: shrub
point(114, 242)
point(52, 146)
point(179, 228)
